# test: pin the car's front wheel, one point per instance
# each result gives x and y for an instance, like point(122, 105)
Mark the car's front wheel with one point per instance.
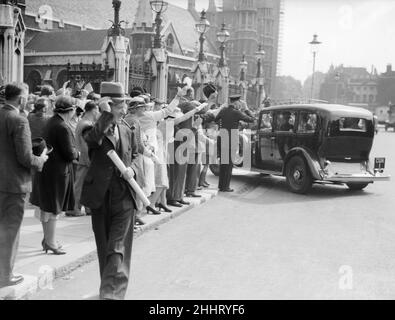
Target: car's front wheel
point(299, 178)
point(357, 186)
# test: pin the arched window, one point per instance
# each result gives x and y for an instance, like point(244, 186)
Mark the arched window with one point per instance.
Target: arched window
point(170, 42)
point(34, 80)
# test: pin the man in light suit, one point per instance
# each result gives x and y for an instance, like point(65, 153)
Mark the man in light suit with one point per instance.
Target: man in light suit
point(108, 195)
point(16, 163)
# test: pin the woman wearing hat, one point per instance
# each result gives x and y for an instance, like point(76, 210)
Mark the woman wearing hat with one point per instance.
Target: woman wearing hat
point(38, 118)
point(53, 189)
point(148, 122)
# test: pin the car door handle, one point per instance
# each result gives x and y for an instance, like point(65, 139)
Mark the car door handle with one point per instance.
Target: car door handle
point(273, 138)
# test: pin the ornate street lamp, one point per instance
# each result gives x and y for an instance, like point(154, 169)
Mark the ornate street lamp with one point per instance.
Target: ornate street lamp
point(116, 28)
point(159, 7)
point(202, 27)
point(260, 55)
point(314, 49)
point(222, 36)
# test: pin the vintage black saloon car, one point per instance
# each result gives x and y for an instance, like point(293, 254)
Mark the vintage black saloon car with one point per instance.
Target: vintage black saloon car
point(314, 143)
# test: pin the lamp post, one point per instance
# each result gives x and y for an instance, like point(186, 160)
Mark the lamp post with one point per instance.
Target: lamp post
point(260, 55)
point(159, 7)
point(314, 49)
point(222, 36)
point(243, 79)
point(337, 78)
point(202, 27)
point(223, 74)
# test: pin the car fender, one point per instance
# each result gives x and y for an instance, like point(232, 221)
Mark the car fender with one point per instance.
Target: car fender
point(311, 159)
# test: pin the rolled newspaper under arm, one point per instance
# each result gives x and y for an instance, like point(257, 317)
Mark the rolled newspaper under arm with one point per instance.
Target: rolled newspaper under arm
point(121, 167)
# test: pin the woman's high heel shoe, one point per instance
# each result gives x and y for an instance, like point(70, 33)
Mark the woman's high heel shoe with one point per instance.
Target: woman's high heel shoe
point(55, 251)
point(165, 209)
point(43, 245)
point(153, 211)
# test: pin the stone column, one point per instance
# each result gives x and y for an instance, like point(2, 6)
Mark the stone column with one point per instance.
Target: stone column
point(12, 27)
point(160, 68)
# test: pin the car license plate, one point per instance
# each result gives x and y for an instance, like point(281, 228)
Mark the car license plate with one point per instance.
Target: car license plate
point(379, 163)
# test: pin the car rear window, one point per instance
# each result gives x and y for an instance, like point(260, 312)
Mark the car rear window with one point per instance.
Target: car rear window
point(348, 126)
point(352, 124)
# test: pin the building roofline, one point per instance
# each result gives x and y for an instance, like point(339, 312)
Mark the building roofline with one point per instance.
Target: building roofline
point(61, 53)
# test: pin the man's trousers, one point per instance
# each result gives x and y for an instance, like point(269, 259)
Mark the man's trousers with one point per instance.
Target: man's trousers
point(177, 175)
point(193, 172)
point(113, 225)
point(11, 216)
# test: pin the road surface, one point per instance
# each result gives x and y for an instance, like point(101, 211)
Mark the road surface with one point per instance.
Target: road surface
point(266, 243)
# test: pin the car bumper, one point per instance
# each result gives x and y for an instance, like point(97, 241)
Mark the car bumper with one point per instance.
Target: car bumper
point(356, 178)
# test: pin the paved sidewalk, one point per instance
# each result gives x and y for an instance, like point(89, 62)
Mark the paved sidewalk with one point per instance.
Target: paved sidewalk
point(76, 235)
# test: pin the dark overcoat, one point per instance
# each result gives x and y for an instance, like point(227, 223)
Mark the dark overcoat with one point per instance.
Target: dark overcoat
point(16, 157)
point(98, 179)
point(53, 188)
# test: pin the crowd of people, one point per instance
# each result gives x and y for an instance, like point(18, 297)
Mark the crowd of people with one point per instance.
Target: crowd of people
point(54, 146)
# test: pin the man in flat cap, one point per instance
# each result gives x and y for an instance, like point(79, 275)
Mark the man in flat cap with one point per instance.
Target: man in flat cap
point(108, 195)
point(228, 119)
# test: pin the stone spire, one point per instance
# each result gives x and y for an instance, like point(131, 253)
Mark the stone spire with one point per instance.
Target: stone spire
point(144, 14)
point(211, 6)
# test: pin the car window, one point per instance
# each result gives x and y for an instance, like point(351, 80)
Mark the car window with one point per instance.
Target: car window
point(352, 124)
point(307, 122)
point(285, 121)
point(266, 122)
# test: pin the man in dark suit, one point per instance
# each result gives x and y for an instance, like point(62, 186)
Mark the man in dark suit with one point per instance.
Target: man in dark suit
point(109, 196)
point(228, 119)
point(16, 162)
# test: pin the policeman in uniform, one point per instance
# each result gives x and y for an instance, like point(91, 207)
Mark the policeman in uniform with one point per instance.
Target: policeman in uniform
point(228, 119)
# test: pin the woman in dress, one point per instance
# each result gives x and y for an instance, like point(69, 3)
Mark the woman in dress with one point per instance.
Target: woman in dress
point(53, 189)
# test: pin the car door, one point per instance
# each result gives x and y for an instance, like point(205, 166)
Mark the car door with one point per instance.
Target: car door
point(284, 136)
point(265, 142)
point(308, 130)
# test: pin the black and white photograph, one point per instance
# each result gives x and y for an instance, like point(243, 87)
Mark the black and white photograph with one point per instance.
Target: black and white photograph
point(224, 151)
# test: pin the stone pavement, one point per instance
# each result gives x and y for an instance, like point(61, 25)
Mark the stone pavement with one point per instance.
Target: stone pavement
point(76, 236)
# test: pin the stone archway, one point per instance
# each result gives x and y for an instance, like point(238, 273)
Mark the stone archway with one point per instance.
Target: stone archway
point(34, 80)
point(61, 78)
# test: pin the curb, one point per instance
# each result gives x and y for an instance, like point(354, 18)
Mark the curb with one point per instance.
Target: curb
point(33, 284)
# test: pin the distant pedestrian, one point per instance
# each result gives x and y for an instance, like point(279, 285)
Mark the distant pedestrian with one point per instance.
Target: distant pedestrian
point(38, 118)
point(16, 163)
point(91, 115)
point(53, 188)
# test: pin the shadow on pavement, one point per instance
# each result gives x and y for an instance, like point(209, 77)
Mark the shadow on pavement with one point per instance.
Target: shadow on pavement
point(267, 189)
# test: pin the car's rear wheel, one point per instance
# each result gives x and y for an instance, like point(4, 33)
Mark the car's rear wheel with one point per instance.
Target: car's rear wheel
point(357, 186)
point(299, 178)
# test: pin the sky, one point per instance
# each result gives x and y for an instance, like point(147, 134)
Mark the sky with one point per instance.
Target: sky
point(358, 33)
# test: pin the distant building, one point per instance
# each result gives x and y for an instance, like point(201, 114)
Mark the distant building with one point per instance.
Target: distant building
point(386, 87)
point(250, 23)
point(352, 86)
point(60, 39)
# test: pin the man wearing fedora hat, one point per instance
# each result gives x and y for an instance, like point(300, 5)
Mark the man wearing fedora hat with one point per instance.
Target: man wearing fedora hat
point(108, 195)
point(16, 162)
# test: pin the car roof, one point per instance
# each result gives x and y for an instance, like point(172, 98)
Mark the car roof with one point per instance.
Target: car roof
point(334, 109)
